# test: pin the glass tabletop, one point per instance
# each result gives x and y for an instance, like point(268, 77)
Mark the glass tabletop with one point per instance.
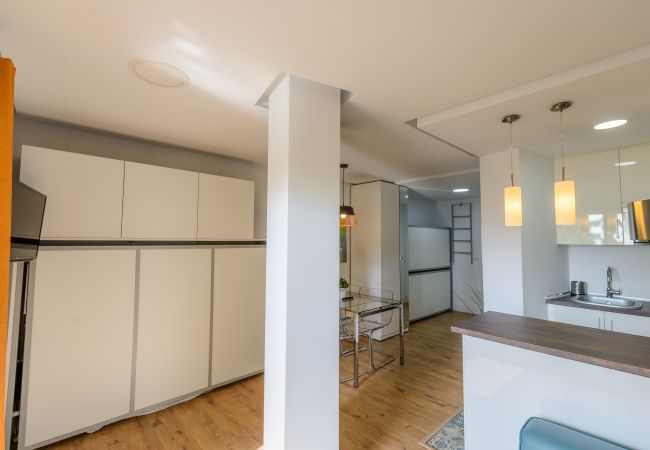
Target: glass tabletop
point(362, 303)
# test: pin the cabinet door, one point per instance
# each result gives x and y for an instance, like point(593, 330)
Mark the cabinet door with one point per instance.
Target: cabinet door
point(159, 203)
point(173, 324)
point(238, 313)
point(598, 203)
point(627, 323)
point(81, 341)
point(84, 193)
point(429, 293)
point(225, 208)
point(634, 169)
point(576, 316)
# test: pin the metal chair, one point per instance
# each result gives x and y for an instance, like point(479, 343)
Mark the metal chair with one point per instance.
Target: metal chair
point(373, 325)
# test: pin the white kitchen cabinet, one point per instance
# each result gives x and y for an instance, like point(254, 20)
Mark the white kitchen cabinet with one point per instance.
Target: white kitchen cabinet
point(576, 316)
point(634, 169)
point(238, 313)
point(226, 208)
point(84, 193)
point(429, 293)
point(80, 351)
point(604, 320)
point(627, 323)
point(159, 203)
point(173, 324)
point(598, 202)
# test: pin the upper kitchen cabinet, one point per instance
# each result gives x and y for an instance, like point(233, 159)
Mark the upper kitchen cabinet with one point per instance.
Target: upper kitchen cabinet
point(225, 208)
point(84, 193)
point(598, 202)
point(159, 203)
point(634, 167)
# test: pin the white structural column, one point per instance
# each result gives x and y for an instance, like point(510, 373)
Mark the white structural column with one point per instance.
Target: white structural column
point(301, 396)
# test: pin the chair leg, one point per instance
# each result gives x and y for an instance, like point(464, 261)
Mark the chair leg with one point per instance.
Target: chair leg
point(372, 352)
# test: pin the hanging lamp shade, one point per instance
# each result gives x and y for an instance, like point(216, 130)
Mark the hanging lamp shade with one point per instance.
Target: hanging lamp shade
point(565, 190)
point(512, 194)
point(565, 202)
point(512, 206)
point(347, 218)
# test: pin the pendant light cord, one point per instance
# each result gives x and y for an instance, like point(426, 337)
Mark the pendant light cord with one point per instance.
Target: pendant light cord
point(562, 140)
point(512, 175)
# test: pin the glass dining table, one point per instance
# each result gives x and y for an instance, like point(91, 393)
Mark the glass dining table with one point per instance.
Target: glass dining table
point(356, 306)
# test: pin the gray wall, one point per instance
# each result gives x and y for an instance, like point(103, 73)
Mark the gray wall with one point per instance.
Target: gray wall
point(423, 212)
point(39, 133)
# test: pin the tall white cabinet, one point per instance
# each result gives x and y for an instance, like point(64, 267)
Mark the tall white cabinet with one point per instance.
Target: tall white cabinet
point(118, 329)
point(238, 313)
point(375, 244)
point(173, 324)
point(79, 362)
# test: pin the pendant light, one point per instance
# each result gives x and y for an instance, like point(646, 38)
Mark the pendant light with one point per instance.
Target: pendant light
point(565, 190)
point(512, 193)
point(347, 218)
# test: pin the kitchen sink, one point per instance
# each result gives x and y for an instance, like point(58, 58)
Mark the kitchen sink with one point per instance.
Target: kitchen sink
point(614, 302)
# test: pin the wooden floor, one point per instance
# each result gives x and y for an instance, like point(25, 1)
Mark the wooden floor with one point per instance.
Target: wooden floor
point(394, 408)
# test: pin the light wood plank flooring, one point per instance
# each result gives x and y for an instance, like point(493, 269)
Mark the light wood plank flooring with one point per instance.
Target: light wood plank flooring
point(394, 408)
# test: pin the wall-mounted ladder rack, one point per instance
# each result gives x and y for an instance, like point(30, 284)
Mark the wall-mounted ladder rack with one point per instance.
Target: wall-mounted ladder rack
point(461, 230)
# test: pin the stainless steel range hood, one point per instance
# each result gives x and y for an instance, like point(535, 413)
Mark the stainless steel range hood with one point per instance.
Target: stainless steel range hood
point(640, 220)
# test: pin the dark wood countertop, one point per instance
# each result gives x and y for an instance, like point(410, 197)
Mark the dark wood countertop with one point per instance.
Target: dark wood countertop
point(566, 301)
point(618, 351)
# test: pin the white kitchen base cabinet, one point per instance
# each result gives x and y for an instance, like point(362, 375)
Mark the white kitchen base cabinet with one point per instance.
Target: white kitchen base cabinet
point(173, 324)
point(238, 313)
point(80, 356)
point(429, 293)
point(576, 316)
point(604, 320)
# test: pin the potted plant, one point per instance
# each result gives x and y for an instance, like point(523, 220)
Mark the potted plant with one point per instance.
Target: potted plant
point(343, 287)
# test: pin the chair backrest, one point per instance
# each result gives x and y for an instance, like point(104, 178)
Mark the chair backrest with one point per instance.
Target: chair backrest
point(383, 293)
point(354, 288)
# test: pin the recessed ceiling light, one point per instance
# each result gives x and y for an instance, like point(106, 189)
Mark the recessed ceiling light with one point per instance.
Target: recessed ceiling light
point(158, 73)
point(625, 163)
point(610, 124)
point(460, 190)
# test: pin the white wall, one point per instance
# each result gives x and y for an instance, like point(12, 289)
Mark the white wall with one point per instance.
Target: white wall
point(501, 245)
point(630, 264)
point(545, 264)
point(423, 212)
point(467, 275)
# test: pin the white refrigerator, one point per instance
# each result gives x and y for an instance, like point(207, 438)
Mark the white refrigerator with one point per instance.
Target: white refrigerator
point(429, 268)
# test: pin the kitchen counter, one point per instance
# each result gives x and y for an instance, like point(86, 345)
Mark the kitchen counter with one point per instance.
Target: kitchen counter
point(566, 301)
point(515, 368)
point(618, 351)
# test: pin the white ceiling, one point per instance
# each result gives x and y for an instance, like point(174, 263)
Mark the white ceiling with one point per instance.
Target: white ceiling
point(441, 187)
point(401, 60)
point(613, 88)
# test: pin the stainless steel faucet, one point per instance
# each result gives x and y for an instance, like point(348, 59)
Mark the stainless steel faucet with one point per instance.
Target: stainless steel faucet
point(611, 292)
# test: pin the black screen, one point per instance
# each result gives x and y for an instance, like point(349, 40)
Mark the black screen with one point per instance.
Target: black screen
point(27, 208)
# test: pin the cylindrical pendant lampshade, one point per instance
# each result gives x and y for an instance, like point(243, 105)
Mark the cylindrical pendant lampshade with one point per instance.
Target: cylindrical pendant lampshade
point(565, 203)
point(512, 203)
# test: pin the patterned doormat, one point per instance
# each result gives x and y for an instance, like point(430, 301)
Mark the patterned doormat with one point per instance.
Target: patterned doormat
point(450, 437)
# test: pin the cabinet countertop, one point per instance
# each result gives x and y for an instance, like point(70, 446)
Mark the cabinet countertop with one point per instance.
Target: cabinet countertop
point(618, 351)
point(566, 301)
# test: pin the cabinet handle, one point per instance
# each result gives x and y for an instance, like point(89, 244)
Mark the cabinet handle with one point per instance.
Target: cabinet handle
point(599, 323)
point(611, 324)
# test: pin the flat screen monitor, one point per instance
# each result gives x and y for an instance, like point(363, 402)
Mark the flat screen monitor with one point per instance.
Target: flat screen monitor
point(27, 209)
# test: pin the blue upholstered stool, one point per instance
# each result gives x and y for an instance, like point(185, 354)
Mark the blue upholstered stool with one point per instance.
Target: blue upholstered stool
point(540, 434)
